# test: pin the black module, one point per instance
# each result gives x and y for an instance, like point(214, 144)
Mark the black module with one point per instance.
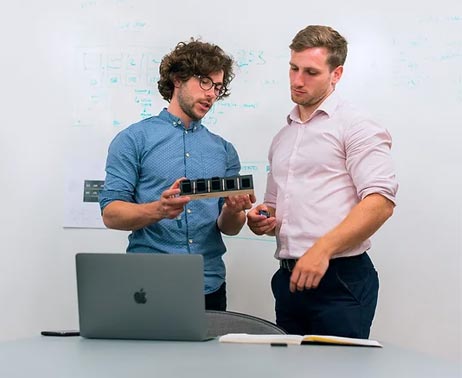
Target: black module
point(185, 187)
point(215, 184)
point(246, 182)
point(230, 183)
point(201, 186)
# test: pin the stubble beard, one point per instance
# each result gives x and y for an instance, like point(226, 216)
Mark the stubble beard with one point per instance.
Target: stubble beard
point(186, 104)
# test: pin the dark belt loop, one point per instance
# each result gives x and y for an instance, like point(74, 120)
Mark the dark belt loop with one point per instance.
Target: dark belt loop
point(287, 264)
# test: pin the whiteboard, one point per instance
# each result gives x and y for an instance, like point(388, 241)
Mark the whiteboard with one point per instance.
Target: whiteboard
point(77, 72)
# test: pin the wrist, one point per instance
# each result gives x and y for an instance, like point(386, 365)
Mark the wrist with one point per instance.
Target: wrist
point(323, 248)
point(228, 210)
point(153, 211)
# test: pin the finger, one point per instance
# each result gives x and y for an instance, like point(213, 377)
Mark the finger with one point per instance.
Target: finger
point(294, 277)
point(246, 203)
point(230, 202)
point(308, 284)
point(170, 193)
point(177, 203)
point(253, 214)
point(316, 282)
point(270, 223)
point(176, 184)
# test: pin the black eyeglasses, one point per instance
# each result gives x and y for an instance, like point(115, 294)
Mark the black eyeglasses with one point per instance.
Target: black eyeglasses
point(207, 83)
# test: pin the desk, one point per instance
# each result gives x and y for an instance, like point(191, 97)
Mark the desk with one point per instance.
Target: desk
point(69, 357)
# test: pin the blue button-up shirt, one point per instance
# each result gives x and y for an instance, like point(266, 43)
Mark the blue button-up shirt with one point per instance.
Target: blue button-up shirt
point(145, 159)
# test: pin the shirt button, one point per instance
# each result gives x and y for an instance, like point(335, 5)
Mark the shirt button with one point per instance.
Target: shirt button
point(188, 211)
point(187, 154)
point(186, 131)
point(190, 241)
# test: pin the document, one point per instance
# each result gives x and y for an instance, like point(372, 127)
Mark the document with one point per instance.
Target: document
point(296, 340)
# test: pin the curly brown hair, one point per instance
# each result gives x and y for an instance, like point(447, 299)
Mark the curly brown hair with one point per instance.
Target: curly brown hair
point(193, 58)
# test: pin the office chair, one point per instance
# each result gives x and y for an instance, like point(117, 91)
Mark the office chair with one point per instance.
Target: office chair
point(223, 322)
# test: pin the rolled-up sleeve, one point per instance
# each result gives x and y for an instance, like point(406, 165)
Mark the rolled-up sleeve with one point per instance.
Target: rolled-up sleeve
point(121, 171)
point(369, 162)
point(270, 197)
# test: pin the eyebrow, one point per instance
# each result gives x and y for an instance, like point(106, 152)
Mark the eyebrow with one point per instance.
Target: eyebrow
point(309, 68)
point(208, 77)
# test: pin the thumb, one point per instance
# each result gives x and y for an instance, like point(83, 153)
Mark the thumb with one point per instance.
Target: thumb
point(176, 184)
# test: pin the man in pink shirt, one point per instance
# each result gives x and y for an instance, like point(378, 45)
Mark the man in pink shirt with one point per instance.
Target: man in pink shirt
point(331, 185)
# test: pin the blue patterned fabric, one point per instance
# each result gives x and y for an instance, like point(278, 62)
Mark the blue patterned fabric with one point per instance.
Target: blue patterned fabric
point(145, 159)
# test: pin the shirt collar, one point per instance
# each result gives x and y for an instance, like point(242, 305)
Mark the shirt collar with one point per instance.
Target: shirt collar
point(177, 122)
point(327, 107)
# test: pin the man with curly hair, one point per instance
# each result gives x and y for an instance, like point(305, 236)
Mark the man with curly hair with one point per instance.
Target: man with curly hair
point(147, 160)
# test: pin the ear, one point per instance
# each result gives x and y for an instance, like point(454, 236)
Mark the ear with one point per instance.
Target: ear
point(337, 74)
point(176, 82)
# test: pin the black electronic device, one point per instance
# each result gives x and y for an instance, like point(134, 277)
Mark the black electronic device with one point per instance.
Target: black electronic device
point(216, 187)
point(60, 333)
point(265, 213)
point(185, 187)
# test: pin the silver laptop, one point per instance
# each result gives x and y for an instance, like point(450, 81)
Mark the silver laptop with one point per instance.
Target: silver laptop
point(141, 296)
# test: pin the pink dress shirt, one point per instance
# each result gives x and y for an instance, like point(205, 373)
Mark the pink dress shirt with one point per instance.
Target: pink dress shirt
point(320, 169)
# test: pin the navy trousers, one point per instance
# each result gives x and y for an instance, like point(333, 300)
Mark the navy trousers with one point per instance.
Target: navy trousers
point(342, 305)
point(217, 299)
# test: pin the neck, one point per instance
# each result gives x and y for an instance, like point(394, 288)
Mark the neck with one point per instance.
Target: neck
point(175, 110)
point(305, 112)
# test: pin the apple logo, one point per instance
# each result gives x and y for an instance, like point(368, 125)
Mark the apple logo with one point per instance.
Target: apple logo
point(140, 296)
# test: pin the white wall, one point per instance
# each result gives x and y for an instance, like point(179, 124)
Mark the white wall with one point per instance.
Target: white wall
point(58, 115)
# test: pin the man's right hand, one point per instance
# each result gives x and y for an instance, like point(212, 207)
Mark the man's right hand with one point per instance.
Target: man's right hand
point(170, 203)
point(128, 216)
point(260, 224)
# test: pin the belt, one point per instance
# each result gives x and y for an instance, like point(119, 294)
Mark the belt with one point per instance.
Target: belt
point(288, 264)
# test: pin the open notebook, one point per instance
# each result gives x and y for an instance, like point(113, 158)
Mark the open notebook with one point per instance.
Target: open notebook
point(296, 339)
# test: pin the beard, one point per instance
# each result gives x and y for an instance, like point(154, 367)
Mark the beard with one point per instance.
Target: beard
point(309, 100)
point(187, 103)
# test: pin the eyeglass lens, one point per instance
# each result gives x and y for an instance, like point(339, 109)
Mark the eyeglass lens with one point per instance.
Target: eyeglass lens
point(206, 84)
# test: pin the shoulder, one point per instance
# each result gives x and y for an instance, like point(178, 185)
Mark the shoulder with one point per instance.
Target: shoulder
point(139, 130)
point(355, 121)
point(217, 139)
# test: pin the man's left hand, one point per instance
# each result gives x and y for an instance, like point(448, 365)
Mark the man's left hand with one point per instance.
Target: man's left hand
point(309, 270)
point(236, 204)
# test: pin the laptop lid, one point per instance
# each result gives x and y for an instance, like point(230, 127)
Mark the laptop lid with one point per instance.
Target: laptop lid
point(141, 296)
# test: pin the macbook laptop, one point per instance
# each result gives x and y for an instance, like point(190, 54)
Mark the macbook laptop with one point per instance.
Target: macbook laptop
point(141, 296)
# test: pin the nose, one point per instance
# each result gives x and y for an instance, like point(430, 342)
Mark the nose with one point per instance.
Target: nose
point(211, 92)
point(296, 79)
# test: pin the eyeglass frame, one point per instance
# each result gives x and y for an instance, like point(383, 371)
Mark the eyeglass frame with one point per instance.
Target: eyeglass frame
point(218, 91)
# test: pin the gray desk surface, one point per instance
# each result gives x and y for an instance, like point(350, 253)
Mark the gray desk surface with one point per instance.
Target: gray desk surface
point(68, 357)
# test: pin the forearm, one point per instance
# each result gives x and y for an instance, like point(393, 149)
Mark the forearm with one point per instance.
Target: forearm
point(230, 222)
point(361, 223)
point(128, 216)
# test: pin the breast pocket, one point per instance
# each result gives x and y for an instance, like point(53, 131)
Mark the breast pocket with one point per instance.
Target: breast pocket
point(214, 164)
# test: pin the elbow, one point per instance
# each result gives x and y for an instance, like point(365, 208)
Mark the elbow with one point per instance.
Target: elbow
point(388, 209)
point(110, 219)
point(107, 220)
